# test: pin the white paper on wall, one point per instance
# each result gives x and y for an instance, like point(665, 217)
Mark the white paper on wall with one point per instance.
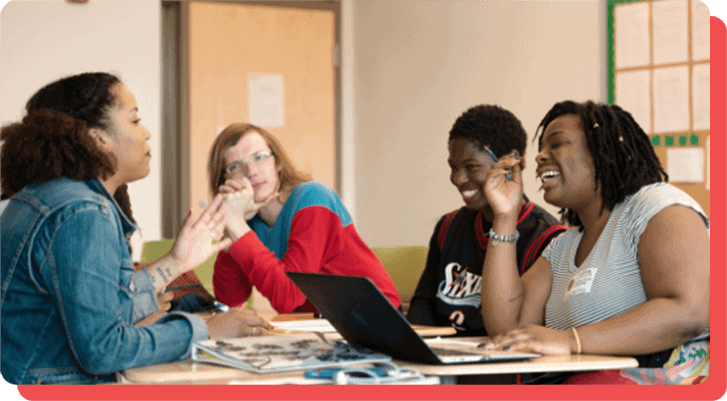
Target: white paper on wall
point(700, 96)
point(670, 29)
point(700, 31)
point(265, 100)
point(685, 165)
point(631, 35)
point(634, 96)
point(671, 99)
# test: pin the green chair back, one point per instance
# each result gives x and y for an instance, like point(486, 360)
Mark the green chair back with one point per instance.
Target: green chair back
point(405, 265)
point(153, 250)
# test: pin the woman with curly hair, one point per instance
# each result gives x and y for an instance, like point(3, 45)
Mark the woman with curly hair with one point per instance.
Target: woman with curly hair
point(631, 274)
point(70, 296)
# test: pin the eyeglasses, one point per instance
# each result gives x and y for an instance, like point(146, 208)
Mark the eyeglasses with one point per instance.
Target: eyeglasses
point(240, 167)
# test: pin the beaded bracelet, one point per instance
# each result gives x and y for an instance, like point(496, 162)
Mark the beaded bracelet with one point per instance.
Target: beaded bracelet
point(496, 238)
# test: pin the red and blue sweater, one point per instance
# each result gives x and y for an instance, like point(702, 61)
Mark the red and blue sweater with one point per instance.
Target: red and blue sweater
point(313, 233)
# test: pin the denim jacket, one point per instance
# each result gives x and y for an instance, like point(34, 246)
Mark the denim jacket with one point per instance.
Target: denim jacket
point(69, 295)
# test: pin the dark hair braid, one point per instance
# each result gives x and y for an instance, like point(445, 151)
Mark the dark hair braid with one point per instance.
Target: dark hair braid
point(623, 157)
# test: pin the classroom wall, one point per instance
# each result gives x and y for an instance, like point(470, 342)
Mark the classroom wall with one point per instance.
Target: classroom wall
point(420, 64)
point(409, 69)
point(41, 41)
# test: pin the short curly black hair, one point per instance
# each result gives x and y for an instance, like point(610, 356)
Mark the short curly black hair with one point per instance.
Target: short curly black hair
point(52, 140)
point(491, 126)
point(623, 156)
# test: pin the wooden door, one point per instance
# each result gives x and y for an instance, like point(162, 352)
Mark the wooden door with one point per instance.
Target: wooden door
point(229, 41)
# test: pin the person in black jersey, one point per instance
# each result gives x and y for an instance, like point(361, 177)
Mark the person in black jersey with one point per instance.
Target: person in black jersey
point(448, 292)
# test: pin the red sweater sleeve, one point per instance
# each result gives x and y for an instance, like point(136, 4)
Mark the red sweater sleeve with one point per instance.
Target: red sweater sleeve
point(231, 286)
point(312, 231)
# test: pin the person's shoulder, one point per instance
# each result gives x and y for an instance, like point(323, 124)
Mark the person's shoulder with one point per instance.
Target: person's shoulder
point(456, 214)
point(539, 213)
point(314, 187)
point(659, 194)
point(62, 193)
point(314, 192)
point(652, 198)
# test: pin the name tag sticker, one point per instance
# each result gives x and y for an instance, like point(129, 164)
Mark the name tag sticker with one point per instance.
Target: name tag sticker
point(581, 282)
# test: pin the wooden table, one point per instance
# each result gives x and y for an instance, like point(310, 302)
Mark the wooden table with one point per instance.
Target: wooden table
point(189, 372)
point(203, 373)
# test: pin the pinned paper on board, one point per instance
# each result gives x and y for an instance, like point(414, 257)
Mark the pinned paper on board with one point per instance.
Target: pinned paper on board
point(669, 21)
point(700, 96)
point(631, 35)
point(633, 93)
point(265, 100)
point(671, 99)
point(700, 31)
point(685, 165)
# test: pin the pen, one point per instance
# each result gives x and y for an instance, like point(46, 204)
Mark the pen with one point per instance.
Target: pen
point(509, 177)
point(182, 287)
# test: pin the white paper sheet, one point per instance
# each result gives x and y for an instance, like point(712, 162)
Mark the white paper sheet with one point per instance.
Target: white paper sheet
point(700, 96)
point(685, 165)
point(312, 325)
point(631, 35)
point(669, 21)
point(265, 100)
point(671, 99)
point(700, 31)
point(633, 95)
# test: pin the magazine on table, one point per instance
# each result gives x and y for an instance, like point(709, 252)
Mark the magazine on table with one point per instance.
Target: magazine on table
point(282, 353)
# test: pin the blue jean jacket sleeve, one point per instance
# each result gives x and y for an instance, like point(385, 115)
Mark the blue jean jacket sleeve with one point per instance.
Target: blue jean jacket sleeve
point(86, 273)
point(142, 290)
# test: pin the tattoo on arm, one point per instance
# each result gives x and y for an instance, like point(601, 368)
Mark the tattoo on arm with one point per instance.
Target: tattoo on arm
point(162, 275)
point(516, 298)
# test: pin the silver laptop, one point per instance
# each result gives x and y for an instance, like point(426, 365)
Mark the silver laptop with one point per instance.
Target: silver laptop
point(364, 316)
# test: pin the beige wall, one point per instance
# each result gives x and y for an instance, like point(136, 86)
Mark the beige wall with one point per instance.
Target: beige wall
point(420, 64)
point(42, 41)
point(409, 68)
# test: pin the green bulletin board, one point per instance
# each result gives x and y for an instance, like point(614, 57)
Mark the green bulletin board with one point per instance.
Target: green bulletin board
point(658, 69)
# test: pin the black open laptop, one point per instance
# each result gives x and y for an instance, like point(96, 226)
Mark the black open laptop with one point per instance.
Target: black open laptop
point(364, 316)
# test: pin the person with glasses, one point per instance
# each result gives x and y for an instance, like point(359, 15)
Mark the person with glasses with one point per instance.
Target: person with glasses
point(280, 220)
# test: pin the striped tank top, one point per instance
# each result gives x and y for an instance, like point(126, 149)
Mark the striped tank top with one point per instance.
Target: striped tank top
point(608, 282)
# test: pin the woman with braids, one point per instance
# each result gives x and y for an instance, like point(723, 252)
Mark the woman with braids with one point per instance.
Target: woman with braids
point(448, 293)
point(280, 220)
point(70, 297)
point(629, 277)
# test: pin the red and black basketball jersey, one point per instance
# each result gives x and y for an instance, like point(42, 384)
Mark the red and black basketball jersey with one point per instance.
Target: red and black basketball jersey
point(448, 292)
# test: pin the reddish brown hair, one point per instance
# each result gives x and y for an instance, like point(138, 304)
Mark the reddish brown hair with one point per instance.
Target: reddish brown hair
point(288, 175)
